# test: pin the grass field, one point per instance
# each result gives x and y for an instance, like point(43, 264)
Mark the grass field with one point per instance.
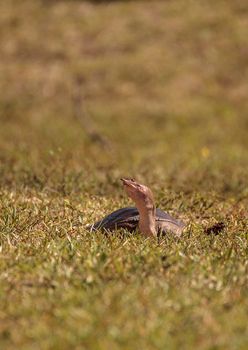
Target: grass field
point(91, 92)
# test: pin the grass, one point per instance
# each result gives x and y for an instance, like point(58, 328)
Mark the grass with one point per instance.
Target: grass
point(91, 92)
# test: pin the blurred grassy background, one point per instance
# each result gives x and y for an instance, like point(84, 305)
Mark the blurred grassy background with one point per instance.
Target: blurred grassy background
point(164, 82)
point(92, 91)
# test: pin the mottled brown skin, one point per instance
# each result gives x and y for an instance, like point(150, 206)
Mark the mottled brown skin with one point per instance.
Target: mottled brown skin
point(145, 216)
point(143, 198)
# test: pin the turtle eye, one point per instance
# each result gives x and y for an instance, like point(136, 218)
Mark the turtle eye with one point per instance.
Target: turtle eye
point(132, 180)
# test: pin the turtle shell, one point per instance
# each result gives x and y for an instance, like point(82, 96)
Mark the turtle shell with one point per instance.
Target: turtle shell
point(128, 218)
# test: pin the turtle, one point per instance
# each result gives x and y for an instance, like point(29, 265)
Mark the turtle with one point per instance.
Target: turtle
point(150, 221)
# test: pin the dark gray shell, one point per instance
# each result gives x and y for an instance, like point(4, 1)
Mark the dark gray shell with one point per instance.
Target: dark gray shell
point(128, 218)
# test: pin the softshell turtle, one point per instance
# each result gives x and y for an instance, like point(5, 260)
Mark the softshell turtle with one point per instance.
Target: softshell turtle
point(149, 220)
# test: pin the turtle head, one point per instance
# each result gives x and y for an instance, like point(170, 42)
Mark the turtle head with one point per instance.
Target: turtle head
point(140, 194)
